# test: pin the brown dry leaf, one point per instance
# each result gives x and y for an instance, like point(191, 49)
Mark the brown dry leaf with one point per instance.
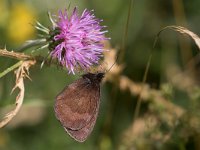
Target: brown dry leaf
point(21, 73)
point(183, 30)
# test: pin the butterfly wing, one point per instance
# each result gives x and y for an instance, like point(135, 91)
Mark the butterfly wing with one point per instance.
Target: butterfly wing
point(76, 105)
point(82, 134)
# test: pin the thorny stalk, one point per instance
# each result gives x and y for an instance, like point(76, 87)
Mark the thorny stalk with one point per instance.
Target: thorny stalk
point(15, 55)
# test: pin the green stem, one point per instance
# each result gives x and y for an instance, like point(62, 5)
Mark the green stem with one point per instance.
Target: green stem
point(139, 101)
point(10, 68)
point(125, 37)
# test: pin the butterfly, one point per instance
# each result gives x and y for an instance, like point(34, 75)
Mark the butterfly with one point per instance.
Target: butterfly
point(77, 106)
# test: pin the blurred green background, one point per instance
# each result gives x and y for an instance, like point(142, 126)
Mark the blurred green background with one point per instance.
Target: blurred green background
point(174, 73)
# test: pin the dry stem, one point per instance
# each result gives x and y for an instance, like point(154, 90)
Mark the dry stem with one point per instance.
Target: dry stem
point(15, 55)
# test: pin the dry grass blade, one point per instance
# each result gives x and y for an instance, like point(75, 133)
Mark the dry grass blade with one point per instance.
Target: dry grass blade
point(21, 73)
point(183, 30)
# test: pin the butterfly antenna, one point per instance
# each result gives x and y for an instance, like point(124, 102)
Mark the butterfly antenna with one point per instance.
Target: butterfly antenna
point(113, 64)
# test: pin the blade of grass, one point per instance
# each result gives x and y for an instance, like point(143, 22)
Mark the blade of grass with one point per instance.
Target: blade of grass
point(138, 104)
point(125, 37)
point(179, 29)
point(13, 67)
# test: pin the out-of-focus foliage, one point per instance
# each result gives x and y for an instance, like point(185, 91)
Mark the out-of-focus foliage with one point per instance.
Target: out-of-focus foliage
point(169, 117)
point(4, 15)
point(17, 22)
point(19, 26)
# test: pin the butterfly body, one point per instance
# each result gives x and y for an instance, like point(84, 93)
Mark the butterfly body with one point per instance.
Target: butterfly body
point(77, 106)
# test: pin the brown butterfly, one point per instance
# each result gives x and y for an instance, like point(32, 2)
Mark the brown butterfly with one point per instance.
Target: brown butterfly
point(77, 106)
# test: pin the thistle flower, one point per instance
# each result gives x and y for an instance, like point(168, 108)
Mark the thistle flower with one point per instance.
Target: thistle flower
point(76, 41)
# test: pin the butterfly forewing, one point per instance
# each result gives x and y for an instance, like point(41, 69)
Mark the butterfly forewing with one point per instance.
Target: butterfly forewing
point(74, 105)
point(82, 134)
point(77, 106)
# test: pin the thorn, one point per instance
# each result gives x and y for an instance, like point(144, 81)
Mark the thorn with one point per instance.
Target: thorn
point(5, 47)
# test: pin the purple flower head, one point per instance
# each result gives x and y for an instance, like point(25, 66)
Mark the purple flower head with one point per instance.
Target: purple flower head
point(78, 40)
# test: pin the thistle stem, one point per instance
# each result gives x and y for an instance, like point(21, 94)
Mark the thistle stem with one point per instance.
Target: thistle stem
point(15, 55)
